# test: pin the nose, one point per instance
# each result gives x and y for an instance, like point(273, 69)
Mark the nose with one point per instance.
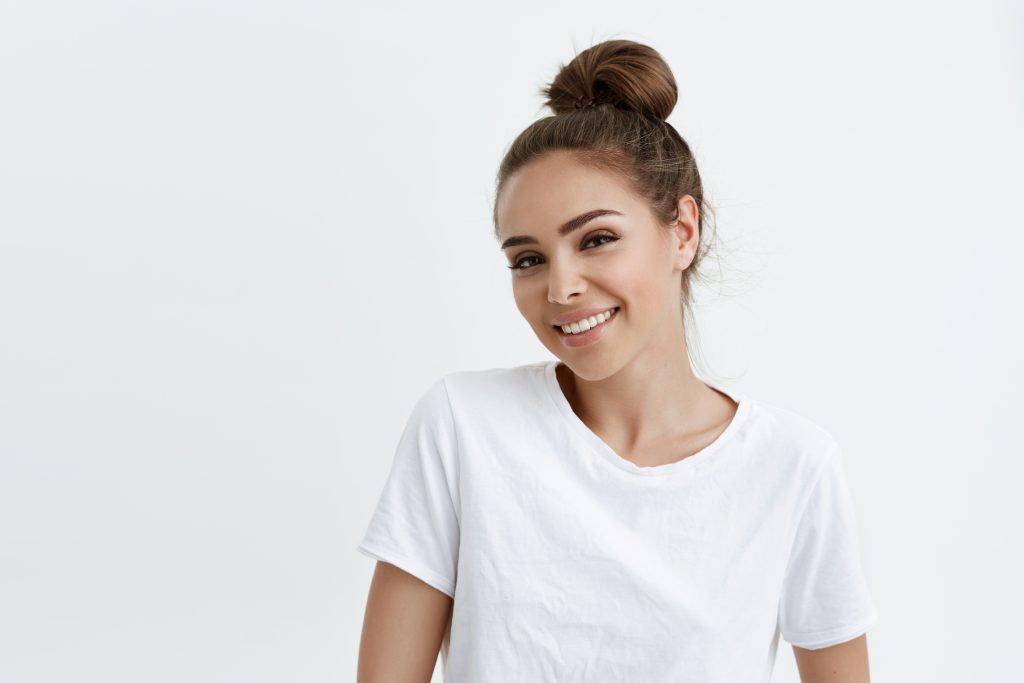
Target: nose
point(564, 281)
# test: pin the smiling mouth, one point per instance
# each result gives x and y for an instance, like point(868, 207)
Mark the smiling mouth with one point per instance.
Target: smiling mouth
point(558, 328)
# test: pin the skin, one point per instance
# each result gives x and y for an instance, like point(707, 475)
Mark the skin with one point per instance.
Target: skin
point(403, 627)
point(634, 388)
point(843, 663)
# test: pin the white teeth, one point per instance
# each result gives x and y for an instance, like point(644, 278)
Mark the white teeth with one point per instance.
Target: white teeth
point(587, 323)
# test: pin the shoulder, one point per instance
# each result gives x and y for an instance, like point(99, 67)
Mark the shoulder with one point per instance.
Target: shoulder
point(493, 387)
point(799, 446)
point(489, 395)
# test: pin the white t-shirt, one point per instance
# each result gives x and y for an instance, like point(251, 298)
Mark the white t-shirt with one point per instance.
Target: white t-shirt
point(568, 563)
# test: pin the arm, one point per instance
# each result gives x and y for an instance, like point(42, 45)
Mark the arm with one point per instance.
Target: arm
point(843, 663)
point(403, 627)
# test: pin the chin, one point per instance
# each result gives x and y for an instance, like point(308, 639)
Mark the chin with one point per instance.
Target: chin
point(590, 368)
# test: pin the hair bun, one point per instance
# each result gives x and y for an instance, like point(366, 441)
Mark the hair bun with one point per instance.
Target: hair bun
point(623, 73)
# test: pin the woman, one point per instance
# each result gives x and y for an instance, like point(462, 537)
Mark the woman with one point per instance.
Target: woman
point(608, 516)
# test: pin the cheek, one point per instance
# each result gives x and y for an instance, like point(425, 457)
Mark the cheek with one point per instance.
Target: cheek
point(525, 299)
point(517, 295)
point(635, 280)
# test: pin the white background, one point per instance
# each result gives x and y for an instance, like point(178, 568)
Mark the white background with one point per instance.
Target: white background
point(239, 239)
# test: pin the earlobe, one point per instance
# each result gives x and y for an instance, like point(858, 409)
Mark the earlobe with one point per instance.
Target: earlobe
point(682, 254)
point(684, 259)
point(682, 234)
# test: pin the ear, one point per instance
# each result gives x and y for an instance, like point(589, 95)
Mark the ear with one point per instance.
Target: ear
point(685, 232)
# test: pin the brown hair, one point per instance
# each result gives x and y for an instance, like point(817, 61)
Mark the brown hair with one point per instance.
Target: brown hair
point(610, 107)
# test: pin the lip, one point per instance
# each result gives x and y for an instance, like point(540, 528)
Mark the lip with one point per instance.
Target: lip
point(591, 336)
point(579, 314)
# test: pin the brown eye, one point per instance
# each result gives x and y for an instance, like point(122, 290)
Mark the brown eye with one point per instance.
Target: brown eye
point(518, 265)
point(611, 238)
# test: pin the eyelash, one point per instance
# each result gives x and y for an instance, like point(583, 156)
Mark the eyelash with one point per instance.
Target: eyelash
point(516, 266)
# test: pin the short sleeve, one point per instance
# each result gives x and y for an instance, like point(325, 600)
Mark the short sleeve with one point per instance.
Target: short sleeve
point(825, 599)
point(415, 525)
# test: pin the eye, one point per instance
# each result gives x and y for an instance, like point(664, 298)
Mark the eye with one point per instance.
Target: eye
point(518, 265)
point(594, 237)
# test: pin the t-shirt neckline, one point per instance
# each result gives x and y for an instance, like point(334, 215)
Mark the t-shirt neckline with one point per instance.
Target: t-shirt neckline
point(688, 464)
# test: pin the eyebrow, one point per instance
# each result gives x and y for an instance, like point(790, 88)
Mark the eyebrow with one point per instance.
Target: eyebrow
point(567, 227)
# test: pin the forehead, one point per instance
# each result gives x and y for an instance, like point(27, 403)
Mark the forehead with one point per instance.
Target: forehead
point(540, 196)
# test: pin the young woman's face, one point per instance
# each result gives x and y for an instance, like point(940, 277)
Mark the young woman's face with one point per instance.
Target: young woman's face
point(563, 264)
